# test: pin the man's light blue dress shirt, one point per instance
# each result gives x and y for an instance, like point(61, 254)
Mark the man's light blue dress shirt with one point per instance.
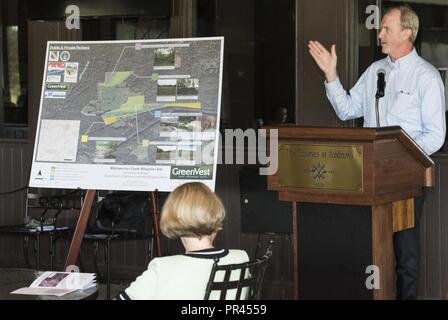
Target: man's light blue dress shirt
point(414, 99)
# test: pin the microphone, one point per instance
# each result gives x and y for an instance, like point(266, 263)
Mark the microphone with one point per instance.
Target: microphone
point(380, 91)
point(381, 83)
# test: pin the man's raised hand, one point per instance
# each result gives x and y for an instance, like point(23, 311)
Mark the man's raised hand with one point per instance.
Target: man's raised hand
point(326, 61)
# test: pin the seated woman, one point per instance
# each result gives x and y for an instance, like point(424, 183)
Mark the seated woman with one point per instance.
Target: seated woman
point(194, 214)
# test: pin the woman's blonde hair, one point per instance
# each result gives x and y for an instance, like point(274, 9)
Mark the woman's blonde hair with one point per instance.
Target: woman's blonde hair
point(191, 210)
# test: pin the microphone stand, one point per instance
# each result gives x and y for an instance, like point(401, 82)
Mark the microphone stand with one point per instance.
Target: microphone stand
point(377, 101)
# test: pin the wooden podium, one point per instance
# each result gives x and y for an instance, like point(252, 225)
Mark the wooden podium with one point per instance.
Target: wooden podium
point(369, 177)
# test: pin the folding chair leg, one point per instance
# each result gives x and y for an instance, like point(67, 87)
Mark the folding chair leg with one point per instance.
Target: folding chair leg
point(38, 251)
point(149, 248)
point(26, 245)
point(95, 259)
point(108, 267)
point(81, 265)
point(51, 251)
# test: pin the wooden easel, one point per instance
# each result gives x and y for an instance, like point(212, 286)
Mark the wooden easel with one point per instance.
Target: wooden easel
point(81, 225)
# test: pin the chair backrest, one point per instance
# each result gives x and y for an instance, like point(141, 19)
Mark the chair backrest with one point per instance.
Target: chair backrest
point(241, 281)
point(121, 213)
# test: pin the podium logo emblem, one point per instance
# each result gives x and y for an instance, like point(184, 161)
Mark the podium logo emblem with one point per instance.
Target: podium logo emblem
point(319, 172)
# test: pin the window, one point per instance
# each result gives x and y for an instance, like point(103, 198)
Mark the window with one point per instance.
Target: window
point(13, 90)
point(13, 79)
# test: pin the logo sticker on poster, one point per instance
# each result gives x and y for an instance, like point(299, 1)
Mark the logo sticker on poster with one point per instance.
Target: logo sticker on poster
point(65, 56)
point(192, 173)
point(56, 86)
point(54, 56)
point(55, 94)
point(71, 72)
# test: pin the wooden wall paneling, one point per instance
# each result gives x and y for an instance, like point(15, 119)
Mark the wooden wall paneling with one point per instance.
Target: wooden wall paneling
point(423, 287)
point(14, 170)
point(443, 212)
point(433, 282)
point(328, 22)
point(182, 22)
point(432, 247)
point(2, 14)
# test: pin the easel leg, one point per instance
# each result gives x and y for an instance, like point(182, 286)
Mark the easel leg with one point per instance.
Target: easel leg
point(155, 223)
point(80, 229)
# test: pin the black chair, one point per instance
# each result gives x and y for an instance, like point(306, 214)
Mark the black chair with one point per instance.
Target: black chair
point(35, 234)
point(106, 240)
point(41, 218)
point(106, 225)
point(246, 282)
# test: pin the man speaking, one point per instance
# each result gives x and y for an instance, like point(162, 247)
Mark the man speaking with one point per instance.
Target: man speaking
point(401, 90)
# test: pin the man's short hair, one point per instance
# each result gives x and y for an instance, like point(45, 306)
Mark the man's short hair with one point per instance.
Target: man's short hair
point(191, 210)
point(409, 20)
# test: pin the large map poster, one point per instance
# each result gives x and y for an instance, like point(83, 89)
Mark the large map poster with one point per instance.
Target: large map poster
point(129, 115)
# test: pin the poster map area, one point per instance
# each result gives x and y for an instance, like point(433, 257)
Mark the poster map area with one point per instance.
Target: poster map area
point(129, 115)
